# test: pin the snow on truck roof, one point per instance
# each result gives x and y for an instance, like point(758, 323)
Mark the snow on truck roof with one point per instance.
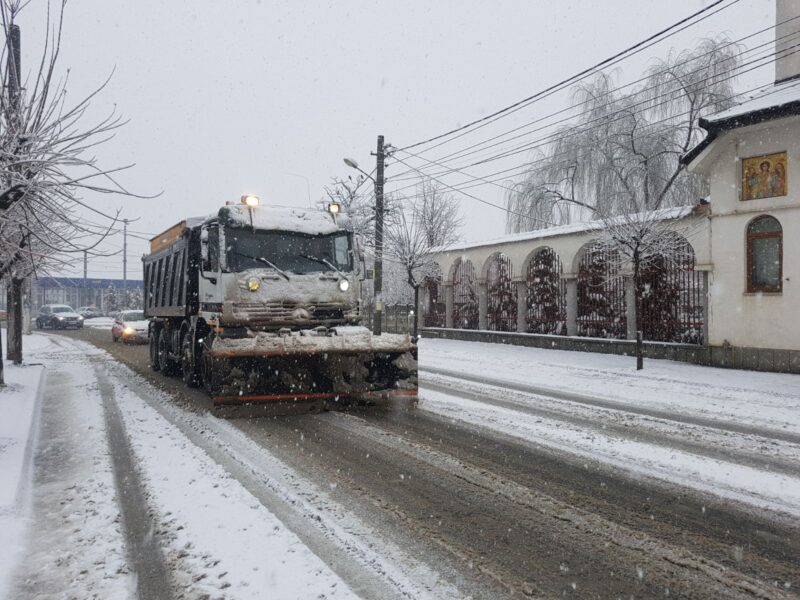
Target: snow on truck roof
point(283, 218)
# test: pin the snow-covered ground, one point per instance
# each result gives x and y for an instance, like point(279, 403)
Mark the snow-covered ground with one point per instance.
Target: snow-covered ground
point(17, 432)
point(66, 538)
point(731, 434)
point(717, 431)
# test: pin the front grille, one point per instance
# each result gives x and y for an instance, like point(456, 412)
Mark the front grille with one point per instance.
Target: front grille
point(283, 313)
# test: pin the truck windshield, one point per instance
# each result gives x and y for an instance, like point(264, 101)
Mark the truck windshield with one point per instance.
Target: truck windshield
point(289, 251)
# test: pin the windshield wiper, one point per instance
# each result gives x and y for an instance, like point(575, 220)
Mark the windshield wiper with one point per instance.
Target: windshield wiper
point(265, 261)
point(324, 262)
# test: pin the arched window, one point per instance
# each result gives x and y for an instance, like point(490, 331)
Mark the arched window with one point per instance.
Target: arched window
point(764, 255)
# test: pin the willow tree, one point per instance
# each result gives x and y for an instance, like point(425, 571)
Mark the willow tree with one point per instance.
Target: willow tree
point(620, 161)
point(622, 154)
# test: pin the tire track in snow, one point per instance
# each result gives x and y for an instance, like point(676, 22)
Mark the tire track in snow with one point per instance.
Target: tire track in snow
point(145, 555)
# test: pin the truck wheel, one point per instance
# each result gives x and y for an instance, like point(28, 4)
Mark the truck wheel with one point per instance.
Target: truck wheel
point(189, 362)
point(168, 366)
point(155, 362)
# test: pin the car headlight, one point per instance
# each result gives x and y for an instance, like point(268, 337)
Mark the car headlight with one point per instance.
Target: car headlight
point(60, 318)
point(128, 331)
point(253, 284)
point(344, 285)
point(80, 318)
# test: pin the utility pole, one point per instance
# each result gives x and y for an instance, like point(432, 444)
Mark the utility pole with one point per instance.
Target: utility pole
point(125, 254)
point(85, 269)
point(378, 281)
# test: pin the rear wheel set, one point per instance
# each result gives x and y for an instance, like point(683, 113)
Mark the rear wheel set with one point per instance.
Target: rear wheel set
point(190, 360)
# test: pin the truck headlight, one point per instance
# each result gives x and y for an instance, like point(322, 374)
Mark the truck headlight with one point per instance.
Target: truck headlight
point(344, 285)
point(253, 284)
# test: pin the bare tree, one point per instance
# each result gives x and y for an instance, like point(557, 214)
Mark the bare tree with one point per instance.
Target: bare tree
point(45, 165)
point(356, 200)
point(431, 220)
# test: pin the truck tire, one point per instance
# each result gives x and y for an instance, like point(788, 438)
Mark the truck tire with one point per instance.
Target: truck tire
point(189, 360)
point(155, 362)
point(168, 365)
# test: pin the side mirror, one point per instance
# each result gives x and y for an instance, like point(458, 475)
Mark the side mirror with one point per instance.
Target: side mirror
point(206, 263)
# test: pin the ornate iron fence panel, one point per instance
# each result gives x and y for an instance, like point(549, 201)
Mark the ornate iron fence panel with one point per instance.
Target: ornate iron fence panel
point(547, 294)
point(465, 296)
point(601, 294)
point(671, 297)
point(434, 304)
point(501, 302)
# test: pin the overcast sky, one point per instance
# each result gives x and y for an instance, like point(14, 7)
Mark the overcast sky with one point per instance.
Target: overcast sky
point(267, 97)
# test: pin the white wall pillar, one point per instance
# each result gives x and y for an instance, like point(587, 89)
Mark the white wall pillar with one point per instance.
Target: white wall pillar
point(448, 305)
point(630, 306)
point(706, 304)
point(522, 306)
point(572, 303)
point(483, 304)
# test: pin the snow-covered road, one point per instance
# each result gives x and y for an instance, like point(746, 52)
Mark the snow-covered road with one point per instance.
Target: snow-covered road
point(553, 474)
point(734, 434)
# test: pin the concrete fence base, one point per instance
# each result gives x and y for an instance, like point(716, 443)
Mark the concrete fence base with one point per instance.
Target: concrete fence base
point(732, 357)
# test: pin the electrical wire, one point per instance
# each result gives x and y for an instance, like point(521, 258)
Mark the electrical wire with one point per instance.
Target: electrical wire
point(526, 166)
point(630, 51)
point(466, 151)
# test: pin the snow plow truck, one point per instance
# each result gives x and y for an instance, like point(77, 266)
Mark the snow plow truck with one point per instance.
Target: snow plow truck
point(263, 303)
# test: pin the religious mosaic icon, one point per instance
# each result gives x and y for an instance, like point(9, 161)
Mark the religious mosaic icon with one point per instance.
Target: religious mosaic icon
point(764, 176)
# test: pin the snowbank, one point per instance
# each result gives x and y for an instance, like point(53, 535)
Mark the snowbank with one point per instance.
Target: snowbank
point(771, 400)
point(19, 401)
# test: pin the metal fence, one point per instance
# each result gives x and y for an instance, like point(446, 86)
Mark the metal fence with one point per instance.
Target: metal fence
point(671, 299)
point(601, 294)
point(501, 310)
point(397, 318)
point(547, 294)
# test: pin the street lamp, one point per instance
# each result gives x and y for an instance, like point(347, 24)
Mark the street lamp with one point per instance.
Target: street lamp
point(354, 165)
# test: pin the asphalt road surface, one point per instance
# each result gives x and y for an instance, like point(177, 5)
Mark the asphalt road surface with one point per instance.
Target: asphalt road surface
point(496, 517)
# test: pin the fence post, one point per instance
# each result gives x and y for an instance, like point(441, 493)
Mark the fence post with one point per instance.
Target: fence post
point(639, 355)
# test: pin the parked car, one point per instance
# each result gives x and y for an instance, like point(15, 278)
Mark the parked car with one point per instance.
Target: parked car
point(130, 326)
point(89, 312)
point(58, 316)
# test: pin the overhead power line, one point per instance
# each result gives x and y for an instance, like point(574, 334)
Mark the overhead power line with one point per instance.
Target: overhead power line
point(485, 143)
point(630, 51)
point(548, 139)
point(480, 181)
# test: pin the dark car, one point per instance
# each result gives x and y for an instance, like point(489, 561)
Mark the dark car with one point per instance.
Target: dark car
point(58, 316)
point(130, 326)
